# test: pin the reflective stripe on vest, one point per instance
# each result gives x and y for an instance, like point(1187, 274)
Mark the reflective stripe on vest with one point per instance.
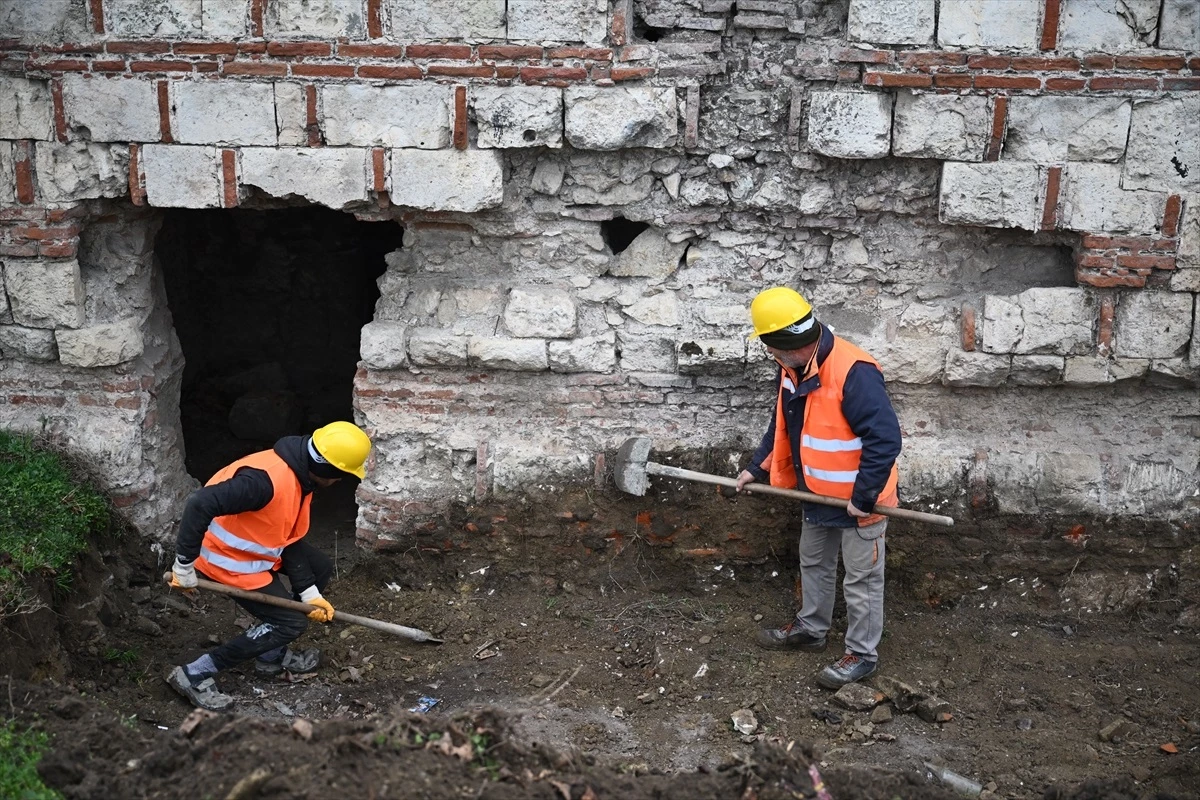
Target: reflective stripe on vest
point(233, 564)
point(830, 475)
point(238, 543)
point(831, 445)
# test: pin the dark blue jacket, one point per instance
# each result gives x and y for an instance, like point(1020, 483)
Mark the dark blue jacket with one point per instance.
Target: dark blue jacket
point(869, 412)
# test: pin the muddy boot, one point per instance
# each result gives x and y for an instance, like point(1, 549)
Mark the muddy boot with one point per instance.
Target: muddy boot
point(202, 694)
point(297, 662)
point(848, 669)
point(792, 636)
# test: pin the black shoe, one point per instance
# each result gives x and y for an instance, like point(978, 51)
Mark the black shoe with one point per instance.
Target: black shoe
point(297, 662)
point(202, 694)
point(792, 636)
point(848, 669)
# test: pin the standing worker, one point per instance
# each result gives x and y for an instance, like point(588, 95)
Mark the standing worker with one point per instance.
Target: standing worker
point(834, 432)
point(246, 529)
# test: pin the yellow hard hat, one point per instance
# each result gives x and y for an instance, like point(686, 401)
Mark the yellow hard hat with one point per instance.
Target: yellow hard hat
point(344, 445)
point(778, 308)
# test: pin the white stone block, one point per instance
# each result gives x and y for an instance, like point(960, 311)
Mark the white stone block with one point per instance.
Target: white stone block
point(641, 353)
point(1092, 200)
point(382, 345)
point(26, 109)
point(447, 19)
point(944, 126)
point(547, 176)
point(993, 194)
point(891, 21)
point(291, 114)
point(100, 345)
point(613, 117)
point(1188, 256)
point(540, 312)
point(326, 176)
point(1099, 371)
point(447, 180)
point(1054, 320)
point(8, 184)
point(1180, 25)
point(320, 19)
point(659, 309)
point(111, 109)
point(558, 20)
point(223, 112)
point(27, 344)
point(649, 255)
point(143, 19)
point(518, 116)
point(434, 347)
point(1152, 324)
point(1037, 370)
point(182, 176)
point(521, 355)
point(81, 170)
point(224, 19)
point(45, 20)
point(1002, 24)
point(1108, 26)
point(850, 124)
point(587, 354)
point(1164, 143)
point(708, 356)
point(1051, 130)
point(44, 294)
point(388, 116)
point(972, 368)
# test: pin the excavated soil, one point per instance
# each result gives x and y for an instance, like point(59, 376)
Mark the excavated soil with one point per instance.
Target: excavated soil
point(595, 648)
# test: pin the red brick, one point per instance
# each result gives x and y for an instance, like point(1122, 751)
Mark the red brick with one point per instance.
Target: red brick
point(39, 233)
point(312, 125)
point(1104, 280)
point(952, 80)
point(254, 68)
point(924, 59)
point(60, 115)
point(67, 249)
point(96, 9)
point(1065, 84)
point(538, 74)
point(23, 164)
point(1093, 260)
point(1170, 226)
point(1044, 64)
point(1050, 210)
point(61, 65)
point(1104, 331)
point(618, 31)
point(1150, 62)
point(160, 66)
point(507, 72)
point(861, 55)
point(1173, 84)
point(257, 11)
point(151, 47)
point(588, 53)
point(988, 62)
point(22, 250)
point(137, 192)
point(108, 66)
point(127, 402)
point(999, 119)
point(601, 75)
point(1194, 63)
point(291, 49)
point(207, 66)
point(398, 73)
point(1097, 61)
point(1146, 262)
point(1049, 38)
point(164, 113)
point(323, 70)
point(456, 71)
point(1102, 83)
point(252, 48)
point(897, 79)
point(630, 73)
point(509, 52)
point(370, 50)
point(229, 177)
point(453, 52)
point(378, 169)
point(374, 19)
point(1007, 82)
point(205, 49)
point(13, 213)
point(460, 117)
point(968, 328)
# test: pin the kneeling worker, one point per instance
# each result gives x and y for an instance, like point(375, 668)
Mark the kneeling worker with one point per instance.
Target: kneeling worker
point(246, 529)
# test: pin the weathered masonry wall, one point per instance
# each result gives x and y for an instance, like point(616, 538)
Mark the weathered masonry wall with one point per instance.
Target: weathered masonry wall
point(999, 198)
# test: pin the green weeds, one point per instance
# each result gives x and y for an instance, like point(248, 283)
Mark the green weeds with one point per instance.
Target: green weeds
point(20, 752)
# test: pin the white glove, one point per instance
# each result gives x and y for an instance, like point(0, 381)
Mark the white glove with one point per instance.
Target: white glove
point(183, 575)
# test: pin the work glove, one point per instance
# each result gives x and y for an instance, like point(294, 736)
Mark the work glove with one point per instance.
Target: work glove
point(183, 576)
point(323, 611)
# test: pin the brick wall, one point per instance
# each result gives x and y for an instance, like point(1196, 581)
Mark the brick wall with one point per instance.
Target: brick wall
point(922, 170)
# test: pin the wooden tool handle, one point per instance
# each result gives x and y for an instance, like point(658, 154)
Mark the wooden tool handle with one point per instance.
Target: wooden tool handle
point(791, 494)
point(416, 634)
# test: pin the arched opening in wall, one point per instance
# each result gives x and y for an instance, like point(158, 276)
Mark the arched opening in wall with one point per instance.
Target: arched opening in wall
point(268, 307)
point(618, 233)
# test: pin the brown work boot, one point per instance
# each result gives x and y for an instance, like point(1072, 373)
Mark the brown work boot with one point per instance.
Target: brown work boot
point(793, 636)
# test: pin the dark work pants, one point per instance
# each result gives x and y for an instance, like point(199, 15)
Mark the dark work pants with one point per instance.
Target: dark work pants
point(277, 626)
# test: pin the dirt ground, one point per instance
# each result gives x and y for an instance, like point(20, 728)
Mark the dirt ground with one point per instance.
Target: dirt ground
point(587, 654)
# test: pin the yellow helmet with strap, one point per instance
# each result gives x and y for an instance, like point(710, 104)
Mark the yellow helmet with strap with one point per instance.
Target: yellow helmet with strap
point(344, 445)
point(777, 308)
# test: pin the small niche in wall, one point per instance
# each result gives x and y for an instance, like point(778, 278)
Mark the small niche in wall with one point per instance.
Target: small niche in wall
point(619, 233)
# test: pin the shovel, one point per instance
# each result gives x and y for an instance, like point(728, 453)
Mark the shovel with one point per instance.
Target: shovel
point(416, 634)
point(632, 469)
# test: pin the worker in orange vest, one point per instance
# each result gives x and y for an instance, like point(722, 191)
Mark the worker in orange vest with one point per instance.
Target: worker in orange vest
point(834, 432)
point(246, 529)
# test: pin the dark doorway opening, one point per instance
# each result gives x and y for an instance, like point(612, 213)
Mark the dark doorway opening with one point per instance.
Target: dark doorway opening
point(268, 307)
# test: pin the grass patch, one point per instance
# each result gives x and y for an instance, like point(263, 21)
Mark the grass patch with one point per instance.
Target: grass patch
point(20, 752)
point(48, 515)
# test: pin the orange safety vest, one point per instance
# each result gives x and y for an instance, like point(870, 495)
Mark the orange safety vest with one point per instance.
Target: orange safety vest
point(243, 549)
point(829, 449)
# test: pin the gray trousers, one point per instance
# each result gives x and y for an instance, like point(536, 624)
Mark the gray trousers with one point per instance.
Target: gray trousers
point(862, 551)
